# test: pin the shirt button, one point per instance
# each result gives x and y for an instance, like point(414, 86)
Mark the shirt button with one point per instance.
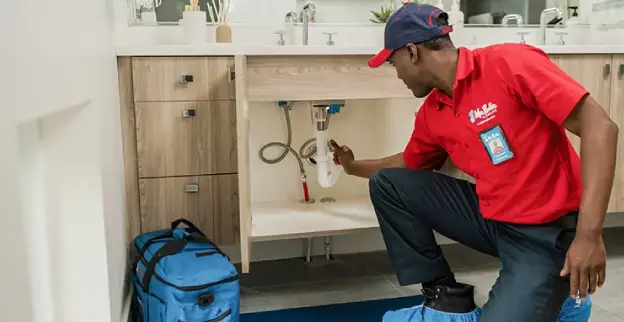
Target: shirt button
point(467, 145)
point(456, 113)
point(476, 176)
point(487, 203)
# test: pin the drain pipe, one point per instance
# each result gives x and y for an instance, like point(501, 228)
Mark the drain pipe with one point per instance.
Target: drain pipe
point(327, 172)
point(308, 257)
point(327, 247)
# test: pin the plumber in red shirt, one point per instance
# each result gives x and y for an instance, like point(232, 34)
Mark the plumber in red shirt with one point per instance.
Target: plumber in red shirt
point(500, 113)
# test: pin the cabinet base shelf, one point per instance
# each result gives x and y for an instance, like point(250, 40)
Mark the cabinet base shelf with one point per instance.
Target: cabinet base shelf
point(290, 220)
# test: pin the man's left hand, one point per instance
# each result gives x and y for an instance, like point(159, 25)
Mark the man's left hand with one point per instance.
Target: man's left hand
point(586, 263)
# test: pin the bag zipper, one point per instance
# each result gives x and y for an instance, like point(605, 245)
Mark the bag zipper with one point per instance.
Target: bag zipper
point(222, 316)
point(208, 253)
point(197, 287)
point(218, 318)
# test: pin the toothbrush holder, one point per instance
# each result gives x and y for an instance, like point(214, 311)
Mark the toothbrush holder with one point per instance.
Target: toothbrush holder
point(194, 24)
point(223, 34)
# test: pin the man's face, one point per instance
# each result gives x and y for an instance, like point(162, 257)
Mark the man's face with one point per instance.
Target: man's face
point(412, 71)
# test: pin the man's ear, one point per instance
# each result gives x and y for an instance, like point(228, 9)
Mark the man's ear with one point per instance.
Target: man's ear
point(412, 50)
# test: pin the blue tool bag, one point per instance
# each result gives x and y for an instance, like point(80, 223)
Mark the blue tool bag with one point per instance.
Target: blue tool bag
point(179, 275)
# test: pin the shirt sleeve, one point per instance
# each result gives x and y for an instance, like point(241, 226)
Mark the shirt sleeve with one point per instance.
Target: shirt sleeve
point(540, 83)
point(422, 152)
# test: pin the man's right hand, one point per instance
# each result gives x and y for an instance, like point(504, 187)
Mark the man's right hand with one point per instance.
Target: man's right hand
point(342, 155)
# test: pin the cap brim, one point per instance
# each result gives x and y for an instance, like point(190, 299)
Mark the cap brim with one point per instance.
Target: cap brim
point(380, 58)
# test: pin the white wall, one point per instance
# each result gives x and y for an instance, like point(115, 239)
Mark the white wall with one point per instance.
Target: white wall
point(61, 179)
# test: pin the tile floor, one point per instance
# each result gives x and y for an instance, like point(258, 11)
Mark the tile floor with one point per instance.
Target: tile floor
point(358, 277)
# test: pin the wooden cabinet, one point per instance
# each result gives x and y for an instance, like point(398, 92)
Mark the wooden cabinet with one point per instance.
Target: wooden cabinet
point(179, 134)
point(159, 79)
point(211, 202)
point(617, 114)
point(591, 71)
point(186, 138)
point(602, 75)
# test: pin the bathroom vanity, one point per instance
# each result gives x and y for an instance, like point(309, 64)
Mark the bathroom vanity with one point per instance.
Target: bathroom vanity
point(195, 117)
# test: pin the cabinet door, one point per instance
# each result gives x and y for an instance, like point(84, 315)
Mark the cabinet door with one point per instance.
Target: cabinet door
point(595, 73)
point(164, 200)
point(589, 71)
point(617, 115)
point(167, 142)
point(186, 138)
point(158, 79)
point(216, 137)
point(218, 208)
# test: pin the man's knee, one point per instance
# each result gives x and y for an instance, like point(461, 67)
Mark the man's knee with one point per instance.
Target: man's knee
point(387, 181)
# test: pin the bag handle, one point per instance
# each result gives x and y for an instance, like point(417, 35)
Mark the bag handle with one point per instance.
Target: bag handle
point(192, 227)
point(143, 249)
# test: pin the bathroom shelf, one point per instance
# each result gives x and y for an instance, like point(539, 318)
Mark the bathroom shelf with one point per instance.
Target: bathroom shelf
point(290, 220)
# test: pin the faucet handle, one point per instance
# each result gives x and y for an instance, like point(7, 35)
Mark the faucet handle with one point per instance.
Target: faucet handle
point(561, 40)
point(330, 41)
point(522, 34)
point(281, 41)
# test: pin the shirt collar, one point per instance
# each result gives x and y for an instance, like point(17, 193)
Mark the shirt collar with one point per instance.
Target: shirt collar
point(465, 67)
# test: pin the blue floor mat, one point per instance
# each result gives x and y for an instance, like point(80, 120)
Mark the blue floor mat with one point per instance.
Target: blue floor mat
point(357, 311)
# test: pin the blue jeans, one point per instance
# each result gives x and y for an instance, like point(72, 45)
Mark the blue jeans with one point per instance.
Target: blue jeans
point(412, 204)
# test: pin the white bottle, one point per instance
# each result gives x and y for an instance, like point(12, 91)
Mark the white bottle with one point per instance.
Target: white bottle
point(456, 16)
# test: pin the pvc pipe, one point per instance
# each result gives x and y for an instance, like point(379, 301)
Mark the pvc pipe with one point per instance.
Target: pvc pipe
point(308, 257)
point(327, 172)
point(327, 247)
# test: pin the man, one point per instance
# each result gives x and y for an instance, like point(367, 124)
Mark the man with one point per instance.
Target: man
point(500, 114)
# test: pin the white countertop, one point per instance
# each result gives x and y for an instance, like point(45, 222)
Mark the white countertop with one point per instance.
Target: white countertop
point(232, 50)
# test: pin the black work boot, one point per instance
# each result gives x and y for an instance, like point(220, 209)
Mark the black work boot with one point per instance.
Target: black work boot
point(458, 298)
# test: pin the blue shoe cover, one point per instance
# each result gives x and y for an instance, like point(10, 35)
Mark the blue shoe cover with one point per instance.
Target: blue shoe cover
point(425, 314)
point(573, 311)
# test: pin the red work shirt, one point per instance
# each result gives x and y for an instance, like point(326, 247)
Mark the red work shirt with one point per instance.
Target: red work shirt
point(503, 126)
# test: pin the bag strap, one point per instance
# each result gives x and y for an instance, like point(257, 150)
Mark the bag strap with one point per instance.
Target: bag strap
point(147, 244)
point(173, 247)
point(192, 227)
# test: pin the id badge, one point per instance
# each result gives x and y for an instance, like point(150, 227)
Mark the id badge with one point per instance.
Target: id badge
point(496, 145)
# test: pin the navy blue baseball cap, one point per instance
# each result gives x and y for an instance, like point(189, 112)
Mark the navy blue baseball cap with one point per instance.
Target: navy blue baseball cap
point(411, 24)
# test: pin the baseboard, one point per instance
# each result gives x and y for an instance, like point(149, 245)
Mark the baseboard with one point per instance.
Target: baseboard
point(362, 242)
point(125, 311)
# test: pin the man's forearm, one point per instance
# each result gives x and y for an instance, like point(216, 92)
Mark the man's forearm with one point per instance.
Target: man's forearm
point(598, 157)
point(365, 168)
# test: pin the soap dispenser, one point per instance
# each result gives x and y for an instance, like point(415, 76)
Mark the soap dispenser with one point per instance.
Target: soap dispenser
point(574, 16)
point(456, 16)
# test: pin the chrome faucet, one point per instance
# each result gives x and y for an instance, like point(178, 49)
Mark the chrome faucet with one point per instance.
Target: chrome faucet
point(545, 14)
point(510, 17)
point(291, 17)
point(309, 10)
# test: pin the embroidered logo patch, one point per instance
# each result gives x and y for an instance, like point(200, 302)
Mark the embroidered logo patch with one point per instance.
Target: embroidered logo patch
point(483, 114)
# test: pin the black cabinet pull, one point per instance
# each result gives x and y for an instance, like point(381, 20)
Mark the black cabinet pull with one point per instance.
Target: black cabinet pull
point(186, 79)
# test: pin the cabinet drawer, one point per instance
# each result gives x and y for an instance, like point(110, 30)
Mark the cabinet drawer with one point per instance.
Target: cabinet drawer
point(186, 138)
point(210, 202)
point(158, 79)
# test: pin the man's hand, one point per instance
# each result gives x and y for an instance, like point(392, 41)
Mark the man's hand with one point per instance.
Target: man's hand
point(586, 263)
point(342, 155)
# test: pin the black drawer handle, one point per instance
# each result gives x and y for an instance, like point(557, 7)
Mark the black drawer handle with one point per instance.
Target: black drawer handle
point(186, 79)
point(189, 113)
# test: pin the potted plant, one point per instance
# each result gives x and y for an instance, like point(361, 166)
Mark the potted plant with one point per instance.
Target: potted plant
point(385, 12)
point(382, 16)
